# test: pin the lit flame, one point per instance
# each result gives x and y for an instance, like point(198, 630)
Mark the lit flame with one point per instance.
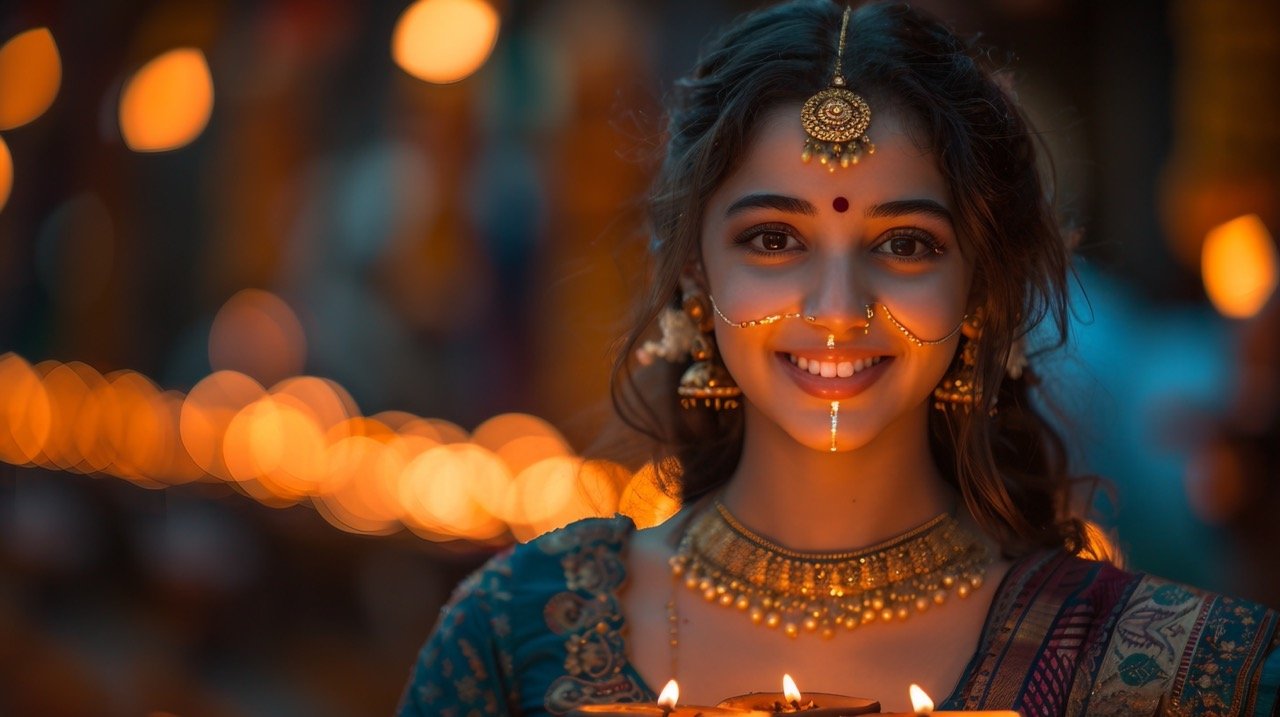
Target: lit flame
point(670, 694)
point(920, 702)
point(1238, 265)
point(789, 689)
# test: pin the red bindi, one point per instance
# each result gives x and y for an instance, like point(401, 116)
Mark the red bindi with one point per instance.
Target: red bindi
point(840, 204)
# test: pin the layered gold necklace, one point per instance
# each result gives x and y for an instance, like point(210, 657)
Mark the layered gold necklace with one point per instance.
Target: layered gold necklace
point(733, 566)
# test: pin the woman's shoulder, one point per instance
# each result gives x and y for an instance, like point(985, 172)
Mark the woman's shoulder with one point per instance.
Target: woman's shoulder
point(1137, 642)
point(584, 555)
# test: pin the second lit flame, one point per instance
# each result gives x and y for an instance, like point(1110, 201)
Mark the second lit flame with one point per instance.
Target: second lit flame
point(670, 694)
point(789, 689)
point(920, 702)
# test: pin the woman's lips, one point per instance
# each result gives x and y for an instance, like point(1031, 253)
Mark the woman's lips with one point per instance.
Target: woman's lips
point(830, 383)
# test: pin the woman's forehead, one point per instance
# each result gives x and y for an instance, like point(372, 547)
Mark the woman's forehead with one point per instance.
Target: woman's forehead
point(899, 168)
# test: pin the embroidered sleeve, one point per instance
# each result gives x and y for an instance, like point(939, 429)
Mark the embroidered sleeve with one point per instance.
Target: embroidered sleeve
point(464, 670)
point(1178, 651)
point(1230, 651)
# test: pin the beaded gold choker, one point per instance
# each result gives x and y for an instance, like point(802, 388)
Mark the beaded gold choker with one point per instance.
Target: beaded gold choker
point(820, 592)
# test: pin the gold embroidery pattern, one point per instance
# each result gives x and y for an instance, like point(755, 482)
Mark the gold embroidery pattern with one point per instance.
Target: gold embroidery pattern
point(468, 697)
point(588, 616)
point(1224, 658)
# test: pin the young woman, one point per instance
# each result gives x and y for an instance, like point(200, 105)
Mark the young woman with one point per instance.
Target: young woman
point(850, 240)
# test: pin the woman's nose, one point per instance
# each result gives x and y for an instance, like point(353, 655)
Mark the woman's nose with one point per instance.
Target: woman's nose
point(839, 300)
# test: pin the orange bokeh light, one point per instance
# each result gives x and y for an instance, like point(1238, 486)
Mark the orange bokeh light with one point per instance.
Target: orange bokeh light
point(30, 74)
point(328, 402)
point(256, 333)
point(362, 492)
point(523, 452)
point(207, 412)
point(25, 412)
point(305, 439)
point(88, 425)
point(252, 444)
point(143, 432)
point(443, 41)
point(557, 491)
point(167, 103)
point(445, 490)
point(504, 428)
point(1238, 265)
point(6, 173)
point(67, 393)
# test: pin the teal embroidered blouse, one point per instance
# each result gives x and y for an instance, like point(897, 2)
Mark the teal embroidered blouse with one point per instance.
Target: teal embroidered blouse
point(538, 631)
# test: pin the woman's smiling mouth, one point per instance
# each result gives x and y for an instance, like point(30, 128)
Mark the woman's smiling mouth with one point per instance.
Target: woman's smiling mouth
point(833, 377)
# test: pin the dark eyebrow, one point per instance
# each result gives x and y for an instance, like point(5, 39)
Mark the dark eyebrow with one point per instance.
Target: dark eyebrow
point(903, 207)
point(782, 203)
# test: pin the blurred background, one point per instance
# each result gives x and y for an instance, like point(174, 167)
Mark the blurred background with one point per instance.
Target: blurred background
point(307, 308)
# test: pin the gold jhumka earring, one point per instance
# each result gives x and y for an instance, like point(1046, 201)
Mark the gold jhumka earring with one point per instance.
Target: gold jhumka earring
point(959, 387)
point(836, 119)
point(707, 382)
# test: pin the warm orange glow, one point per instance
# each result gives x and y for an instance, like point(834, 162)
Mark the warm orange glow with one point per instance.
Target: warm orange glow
point(790, 692)
point(207, 412)
point(253, 444)
point(448, 431)
point(921, 704)
point(325, 401)
point(25, 412)
point(167, 103)
point(504, 428)
point(444, 41)
point(293, 445)
point(541, 496)
point(670, 695)
point(360, 426)
point(443, 492)
point(360, 497)
point(67, 393)
point(30, 74)
point(256, 333)
point(174, 466)
point(523, 452)
point(557, 491)
point(305, 439)
point(88, 434)
point(644, 501)
point(6, 173)
point(142, 431)
point(1238, 264)
point(1099, 546)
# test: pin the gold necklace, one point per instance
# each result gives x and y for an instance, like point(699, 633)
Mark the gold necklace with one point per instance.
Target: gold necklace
point(733, 566)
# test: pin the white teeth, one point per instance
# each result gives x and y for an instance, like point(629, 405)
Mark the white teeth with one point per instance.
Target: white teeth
point(833, 369)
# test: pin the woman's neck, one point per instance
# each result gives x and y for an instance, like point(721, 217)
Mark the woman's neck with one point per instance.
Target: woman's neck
point(812, 500)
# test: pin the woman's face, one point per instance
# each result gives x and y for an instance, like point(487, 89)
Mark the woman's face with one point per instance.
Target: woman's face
point(781, 236)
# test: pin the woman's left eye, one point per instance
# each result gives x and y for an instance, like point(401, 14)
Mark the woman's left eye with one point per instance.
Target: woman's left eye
point(909, 246)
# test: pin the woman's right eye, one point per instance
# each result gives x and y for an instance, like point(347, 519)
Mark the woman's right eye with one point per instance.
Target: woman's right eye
point(768, 240)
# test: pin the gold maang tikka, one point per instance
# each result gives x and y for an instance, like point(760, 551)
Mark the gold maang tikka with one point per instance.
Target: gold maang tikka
point(836, 119)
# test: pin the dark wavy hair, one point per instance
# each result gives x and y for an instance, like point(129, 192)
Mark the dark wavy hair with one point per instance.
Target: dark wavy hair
point(1011, 467)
